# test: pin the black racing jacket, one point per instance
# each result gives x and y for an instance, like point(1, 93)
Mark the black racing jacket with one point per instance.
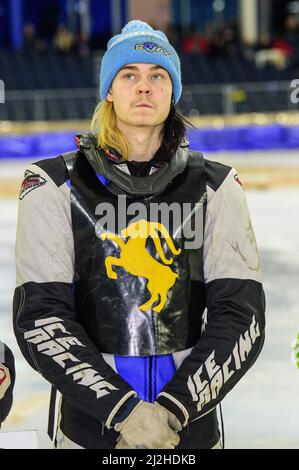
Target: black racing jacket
point(96, 385)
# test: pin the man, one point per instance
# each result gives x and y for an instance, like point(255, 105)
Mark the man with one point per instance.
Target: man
point(7, 380)
point(109, 305)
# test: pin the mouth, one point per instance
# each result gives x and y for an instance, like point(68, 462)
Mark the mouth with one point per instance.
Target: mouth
point(144, 105)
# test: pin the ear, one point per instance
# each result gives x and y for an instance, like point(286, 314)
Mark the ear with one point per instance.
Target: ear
point(109, 96)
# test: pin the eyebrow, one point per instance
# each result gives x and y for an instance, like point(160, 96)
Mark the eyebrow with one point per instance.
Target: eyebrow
point(133, 67)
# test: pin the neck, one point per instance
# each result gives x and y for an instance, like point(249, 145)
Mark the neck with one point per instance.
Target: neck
point(143, 141)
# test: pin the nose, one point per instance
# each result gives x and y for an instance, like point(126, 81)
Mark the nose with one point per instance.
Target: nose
point(143, 87)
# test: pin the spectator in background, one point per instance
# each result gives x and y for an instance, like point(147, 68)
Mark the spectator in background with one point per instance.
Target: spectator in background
point(217, 46)
point(215, 42)
point(82, 45)
point(291, 25)
point(29, 39)
point(32, 43)
point(64, 40)
point(275, 53)
point(224, 41)
point(195, 43)
point(230, 33)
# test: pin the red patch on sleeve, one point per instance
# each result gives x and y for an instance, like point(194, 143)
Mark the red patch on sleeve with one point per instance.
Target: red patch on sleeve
point(236, 178)
point(31, 181)
point(3, 376)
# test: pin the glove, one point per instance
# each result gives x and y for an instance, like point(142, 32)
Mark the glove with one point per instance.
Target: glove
point(148, 426)
point(5, 380)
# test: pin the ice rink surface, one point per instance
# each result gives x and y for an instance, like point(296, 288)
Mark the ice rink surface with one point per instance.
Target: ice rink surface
point(262, 411)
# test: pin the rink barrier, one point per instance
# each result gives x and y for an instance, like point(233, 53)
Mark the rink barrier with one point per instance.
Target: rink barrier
point(231, 138)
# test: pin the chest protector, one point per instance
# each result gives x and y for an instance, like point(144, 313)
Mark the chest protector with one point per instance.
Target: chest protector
point(138, 282)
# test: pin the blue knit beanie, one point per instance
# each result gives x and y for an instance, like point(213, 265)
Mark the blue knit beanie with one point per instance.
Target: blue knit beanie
point(139, 43)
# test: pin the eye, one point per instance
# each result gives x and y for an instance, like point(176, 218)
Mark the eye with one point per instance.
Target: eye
point(129, 76)
point(158, 76)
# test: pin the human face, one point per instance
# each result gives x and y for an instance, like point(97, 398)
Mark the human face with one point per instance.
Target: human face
point(141, 94)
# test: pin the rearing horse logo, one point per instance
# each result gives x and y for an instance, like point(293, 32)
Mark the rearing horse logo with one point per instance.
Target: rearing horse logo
point(137, 261)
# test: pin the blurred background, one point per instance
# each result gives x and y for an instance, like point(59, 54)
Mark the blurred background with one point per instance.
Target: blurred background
point(240, 71)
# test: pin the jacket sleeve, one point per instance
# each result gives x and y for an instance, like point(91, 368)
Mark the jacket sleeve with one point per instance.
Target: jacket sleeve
point(51, 339)
point(233, 328)
point(7, 380)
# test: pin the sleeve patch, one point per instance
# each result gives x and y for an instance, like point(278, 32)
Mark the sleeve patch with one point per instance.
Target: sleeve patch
point(3, 375)
point(31, 181)
point(236, 178)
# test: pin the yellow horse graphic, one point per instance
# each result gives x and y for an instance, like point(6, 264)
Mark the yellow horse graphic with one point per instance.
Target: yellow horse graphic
point(137, 261)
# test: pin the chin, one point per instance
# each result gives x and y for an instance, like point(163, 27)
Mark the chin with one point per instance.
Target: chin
point(142, 121)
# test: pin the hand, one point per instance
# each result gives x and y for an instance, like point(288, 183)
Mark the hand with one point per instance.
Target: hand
point(173, 422)
point(5, 380)
point(148, 426)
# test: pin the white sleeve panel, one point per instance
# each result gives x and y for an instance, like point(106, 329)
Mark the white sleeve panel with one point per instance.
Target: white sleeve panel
point(44, 242)
point(230, 249)
point(179, 356)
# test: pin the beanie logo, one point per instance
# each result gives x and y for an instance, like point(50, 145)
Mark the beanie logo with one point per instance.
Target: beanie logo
point(151, 47)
